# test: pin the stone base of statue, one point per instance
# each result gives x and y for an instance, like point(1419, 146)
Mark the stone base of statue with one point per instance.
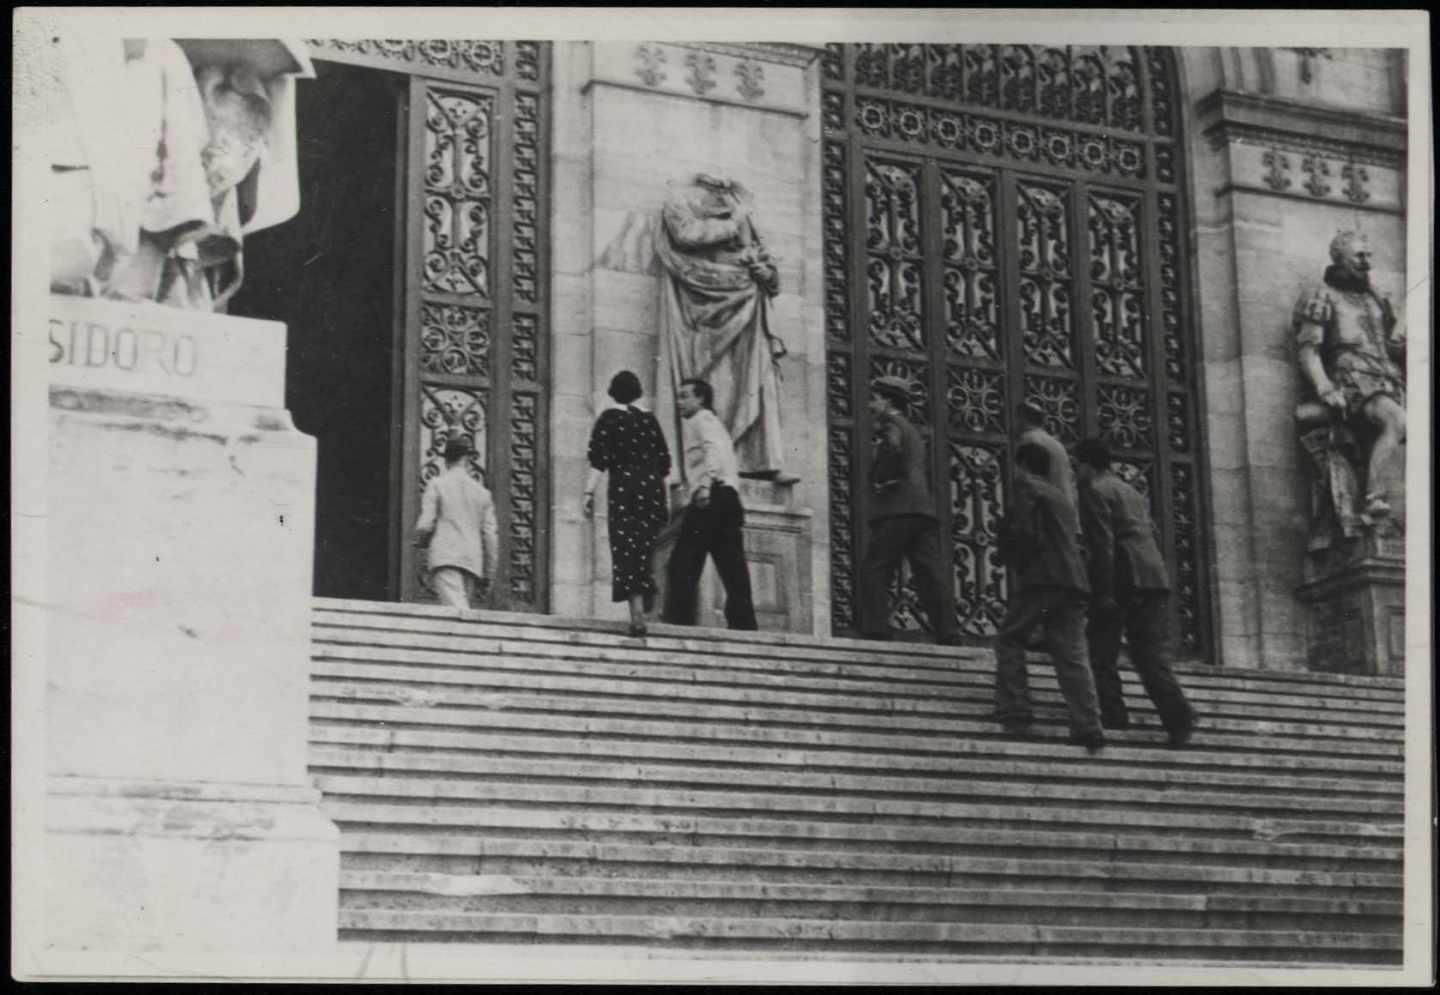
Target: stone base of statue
point(777, 549)
point(179, 814)
point(1355, 594)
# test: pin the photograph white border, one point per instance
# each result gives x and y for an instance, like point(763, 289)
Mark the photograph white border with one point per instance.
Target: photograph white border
point(1409, 30)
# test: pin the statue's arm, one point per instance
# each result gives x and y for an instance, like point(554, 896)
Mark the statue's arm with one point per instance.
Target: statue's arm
point(1313, 315)
point(1395, 340)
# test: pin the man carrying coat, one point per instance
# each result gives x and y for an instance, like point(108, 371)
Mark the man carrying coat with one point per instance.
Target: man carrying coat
point(902, 519)
point(457, 522)
point(1048, 592)
point(1130, 591)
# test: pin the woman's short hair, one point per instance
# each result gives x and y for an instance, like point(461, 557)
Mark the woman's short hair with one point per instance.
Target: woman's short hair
point(625, 387)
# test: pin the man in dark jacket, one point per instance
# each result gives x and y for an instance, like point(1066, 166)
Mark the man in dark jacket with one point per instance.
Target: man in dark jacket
point(902, 519)
point(1131, 592)
point(1048, 590)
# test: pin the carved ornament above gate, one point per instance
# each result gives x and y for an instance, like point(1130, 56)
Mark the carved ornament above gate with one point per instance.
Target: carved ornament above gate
point(472, 56)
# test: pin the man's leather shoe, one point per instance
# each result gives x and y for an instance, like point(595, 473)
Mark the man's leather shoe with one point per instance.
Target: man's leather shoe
point(1180, 735)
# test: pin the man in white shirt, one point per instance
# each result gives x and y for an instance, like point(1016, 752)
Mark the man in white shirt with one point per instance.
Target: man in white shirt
point(714, 518)
point(457, 522)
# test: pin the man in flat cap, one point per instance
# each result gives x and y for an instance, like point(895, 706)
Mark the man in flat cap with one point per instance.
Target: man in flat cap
point(457, 522)
point(1048, 593)
point(1130, 593)
point(902, 518)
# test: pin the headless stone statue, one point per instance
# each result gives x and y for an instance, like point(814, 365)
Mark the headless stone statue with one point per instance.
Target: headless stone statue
point(1352, 417)
point(715, 324)
point(165, 154)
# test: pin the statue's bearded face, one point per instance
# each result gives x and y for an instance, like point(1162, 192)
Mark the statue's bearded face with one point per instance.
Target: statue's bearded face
point(1353, 254)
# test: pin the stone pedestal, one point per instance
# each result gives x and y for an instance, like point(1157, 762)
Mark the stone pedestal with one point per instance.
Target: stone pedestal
point(1356, 603)
point(179, 813)
point(777, 549)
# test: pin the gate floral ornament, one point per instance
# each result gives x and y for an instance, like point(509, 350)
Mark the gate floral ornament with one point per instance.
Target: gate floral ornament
point(165, 155)
point(1017, 238)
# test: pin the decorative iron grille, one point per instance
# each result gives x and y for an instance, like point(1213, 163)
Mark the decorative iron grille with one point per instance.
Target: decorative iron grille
point(475, 361)
point(1003, 223)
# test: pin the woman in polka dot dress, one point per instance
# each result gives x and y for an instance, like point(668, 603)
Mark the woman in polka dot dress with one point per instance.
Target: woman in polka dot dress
point(626, 443)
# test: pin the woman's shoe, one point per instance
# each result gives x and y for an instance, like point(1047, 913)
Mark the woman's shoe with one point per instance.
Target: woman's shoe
point(637, 629)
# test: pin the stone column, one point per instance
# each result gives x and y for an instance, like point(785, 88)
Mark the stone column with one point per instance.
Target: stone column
point(629, 119)
point(179, 815)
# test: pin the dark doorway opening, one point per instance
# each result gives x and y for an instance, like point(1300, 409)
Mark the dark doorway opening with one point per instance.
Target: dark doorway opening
point(330, 274)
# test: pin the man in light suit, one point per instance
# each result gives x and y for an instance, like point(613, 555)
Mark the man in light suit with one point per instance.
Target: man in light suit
point(457, 522)
point(1130, 591)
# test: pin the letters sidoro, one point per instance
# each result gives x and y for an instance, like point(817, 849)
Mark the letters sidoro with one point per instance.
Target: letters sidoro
point(138, 350)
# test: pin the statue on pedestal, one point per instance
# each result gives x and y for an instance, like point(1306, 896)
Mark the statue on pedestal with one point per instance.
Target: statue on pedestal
point(1352, 421)
point(718, 281)
point(164, 155)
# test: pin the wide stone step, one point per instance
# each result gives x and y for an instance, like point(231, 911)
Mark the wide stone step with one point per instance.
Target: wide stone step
point(1075, 786)
point(629, 896)
point(431, 792)
point(762, 666)
point(334, 668)
point(336, 613)
point(941, 756)
point(877, 718)
point(1036, 940)
point(739, 730)
point(514, 779)
point(532, 856)
point(1007, 834)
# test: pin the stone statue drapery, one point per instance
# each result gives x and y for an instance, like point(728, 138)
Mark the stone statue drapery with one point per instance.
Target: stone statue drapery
point(165, 154)
point(717, 281)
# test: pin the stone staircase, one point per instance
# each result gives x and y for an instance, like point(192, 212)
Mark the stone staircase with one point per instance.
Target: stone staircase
point(521, 779)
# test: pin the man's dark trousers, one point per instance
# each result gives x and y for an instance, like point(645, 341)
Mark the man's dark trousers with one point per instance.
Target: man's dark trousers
point(1144, 617)
point(1059, 613)
point(912, 537)
point(716, 530)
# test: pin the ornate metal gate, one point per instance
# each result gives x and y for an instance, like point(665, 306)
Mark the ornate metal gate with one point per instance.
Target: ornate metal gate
point(1004, 222)
point(473, 304)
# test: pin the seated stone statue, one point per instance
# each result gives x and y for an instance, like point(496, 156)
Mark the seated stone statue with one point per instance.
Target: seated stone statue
point(1351, 355)
point(164, 155)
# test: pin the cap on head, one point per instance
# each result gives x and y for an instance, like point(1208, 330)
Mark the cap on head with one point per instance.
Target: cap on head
point(1093, 452)
point(457, 447)
point(894, 389)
